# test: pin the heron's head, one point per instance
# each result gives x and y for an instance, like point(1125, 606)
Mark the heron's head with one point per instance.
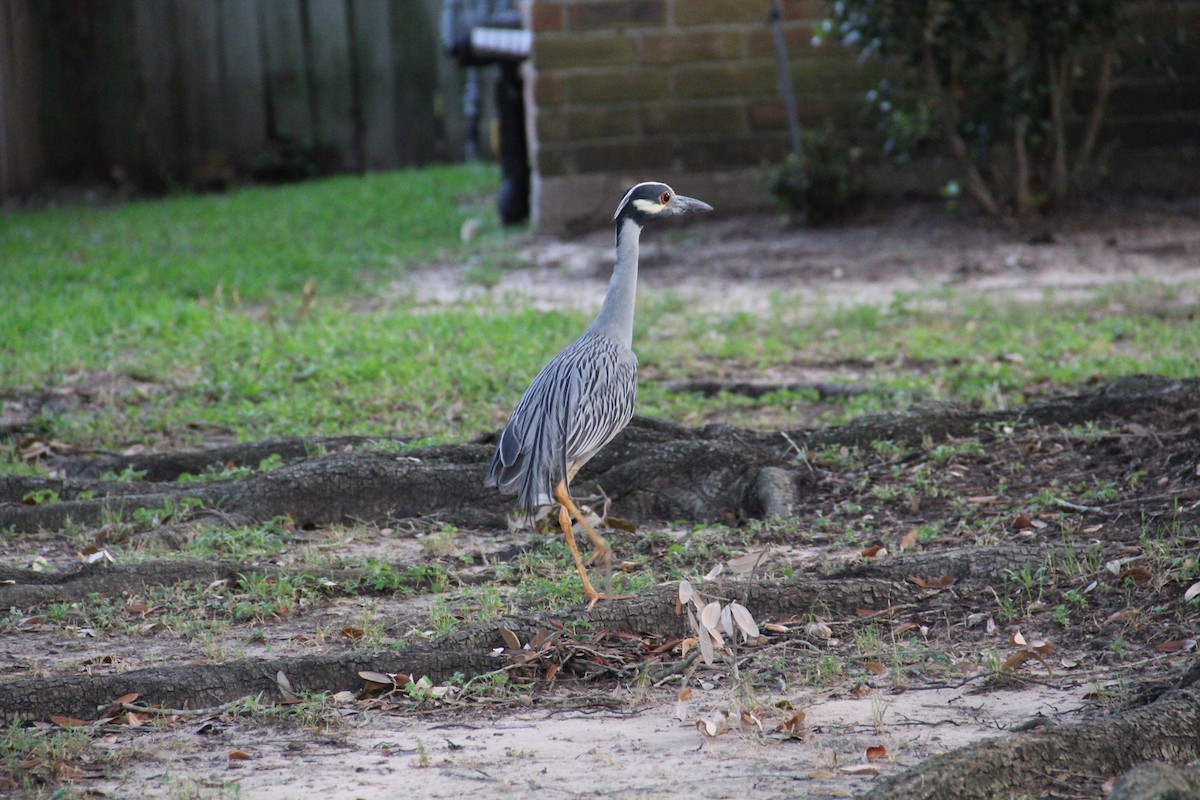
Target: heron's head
point(650, 201)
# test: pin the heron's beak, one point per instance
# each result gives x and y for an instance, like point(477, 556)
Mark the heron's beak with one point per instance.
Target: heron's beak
point(681, 204)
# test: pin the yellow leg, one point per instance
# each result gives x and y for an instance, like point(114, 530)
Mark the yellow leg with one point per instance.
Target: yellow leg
point(564, 520)
point(602, 550)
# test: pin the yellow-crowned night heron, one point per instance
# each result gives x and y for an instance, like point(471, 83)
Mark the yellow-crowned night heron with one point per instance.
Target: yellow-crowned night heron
point(584, 396)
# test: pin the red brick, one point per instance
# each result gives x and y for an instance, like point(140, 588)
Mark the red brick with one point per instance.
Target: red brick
point(767, 116)
point(797, 39)
point(619, 14)
point(727, 152)
point(589, 123)
point(804, 9)
point(695, 120)
point(564, 52)
point(840, 73)
point(683, 48)
point(732, 80)
point(719, 12)
point(546, 17)
point(641, 155)
point(548, 89)
point(618, 86)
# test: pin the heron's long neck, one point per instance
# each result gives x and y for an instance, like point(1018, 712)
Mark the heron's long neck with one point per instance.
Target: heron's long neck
point(616, 315)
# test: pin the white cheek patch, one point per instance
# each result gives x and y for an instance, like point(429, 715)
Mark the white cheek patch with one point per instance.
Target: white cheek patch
point(648, 206)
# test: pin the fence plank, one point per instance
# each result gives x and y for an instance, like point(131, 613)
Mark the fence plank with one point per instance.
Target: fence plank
point(414, 34)
point(375, 84)
point(332, 88)
point(201, 78)
point(21, 158)
point(287, 77)
point(242, 80)
point(162, 115)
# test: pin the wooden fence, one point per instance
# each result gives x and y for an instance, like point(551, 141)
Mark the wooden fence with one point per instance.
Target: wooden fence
point(193, 90)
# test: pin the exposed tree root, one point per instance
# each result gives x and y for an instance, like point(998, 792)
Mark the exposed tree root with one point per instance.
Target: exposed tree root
point(1077, 756)
point(653, 470)
point(25, 588)
point(824, 391)
point(468, 651)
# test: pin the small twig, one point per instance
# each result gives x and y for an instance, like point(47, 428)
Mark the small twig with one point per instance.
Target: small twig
point(173, 712)
point(676, 668)
point(1058, 501)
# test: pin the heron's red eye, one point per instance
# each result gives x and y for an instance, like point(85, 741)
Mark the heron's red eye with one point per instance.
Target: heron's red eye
point(665, 198)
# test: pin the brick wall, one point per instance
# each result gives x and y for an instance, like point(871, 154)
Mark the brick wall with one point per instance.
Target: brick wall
point(686, 91)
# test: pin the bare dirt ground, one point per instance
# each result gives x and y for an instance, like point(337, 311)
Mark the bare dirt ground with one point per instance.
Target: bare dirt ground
point(1075, 631)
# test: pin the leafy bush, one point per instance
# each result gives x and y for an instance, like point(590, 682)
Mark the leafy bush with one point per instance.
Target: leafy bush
point(995, 81)
point(823, 180)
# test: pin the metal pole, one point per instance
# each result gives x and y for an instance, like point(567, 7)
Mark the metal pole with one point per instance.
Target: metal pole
point(785, 79)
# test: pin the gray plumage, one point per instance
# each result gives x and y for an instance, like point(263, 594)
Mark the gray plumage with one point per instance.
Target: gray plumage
point(585, 395)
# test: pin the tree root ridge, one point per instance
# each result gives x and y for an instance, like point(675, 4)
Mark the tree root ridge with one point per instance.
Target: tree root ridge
point(1083, 755)
point(652, 470)
point(467, 651)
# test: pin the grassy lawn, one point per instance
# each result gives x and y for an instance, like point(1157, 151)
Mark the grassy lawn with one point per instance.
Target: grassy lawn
point(198, 304)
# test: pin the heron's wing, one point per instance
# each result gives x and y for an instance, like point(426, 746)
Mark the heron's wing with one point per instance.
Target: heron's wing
point(574, 406)
point(604, 388)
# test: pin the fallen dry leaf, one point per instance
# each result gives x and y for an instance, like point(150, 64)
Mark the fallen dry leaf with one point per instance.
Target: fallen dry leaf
point(1175, 645)
point(379, 679)
point(818, 630)
point(67, 722)
point(239, 755)
point(285, 688)
point(793, 726)
point(1192, 592)
point(860, 769)
point(510, 639)
point(1020, 657)
point(715, 723)
point(1122, 615)
point(876, 753)
point(822, 774)
point(875, 667)
point(874, 550)
point(1139, 574)
point(127, 698)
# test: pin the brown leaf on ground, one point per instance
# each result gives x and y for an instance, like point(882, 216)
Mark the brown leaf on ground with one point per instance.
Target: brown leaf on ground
point(510, 639)
point(1139, 574)
point(67, 722)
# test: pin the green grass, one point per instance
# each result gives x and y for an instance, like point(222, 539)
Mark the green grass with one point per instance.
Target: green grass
point(196, 304)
